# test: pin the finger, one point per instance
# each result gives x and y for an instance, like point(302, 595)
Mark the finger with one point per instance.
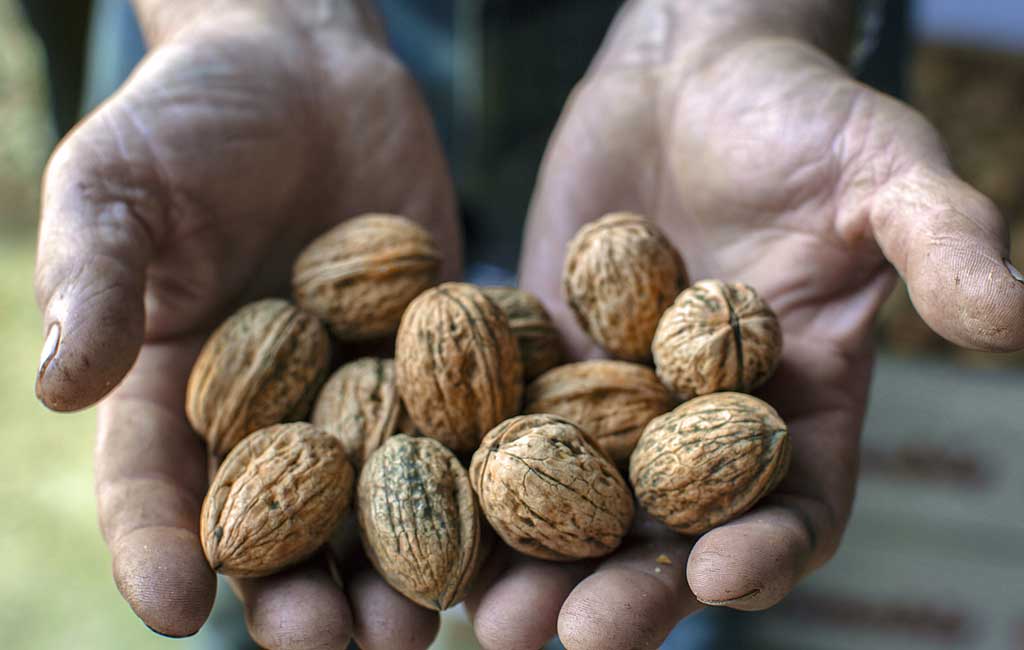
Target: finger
point(150, 481)
point(635, 598)
point(383, 618)
point(515, 605)
point(752, 562)
point(950, 244)
point(300, 608)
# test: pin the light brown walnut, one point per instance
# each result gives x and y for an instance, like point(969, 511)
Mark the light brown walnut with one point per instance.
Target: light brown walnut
point(360, 276)
point(611, 400)
point(549, 491)
point(262, 366)
point(539, 342)
point(717, 336)
point(457, 364)
point(620, 275)
point(359, 404)
point(709, 461)
point(275, 500)
point(419, 520)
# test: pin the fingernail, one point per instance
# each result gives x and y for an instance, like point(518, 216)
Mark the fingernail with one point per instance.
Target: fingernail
point(46, 356)
point(1014, 271)
point(734, 601)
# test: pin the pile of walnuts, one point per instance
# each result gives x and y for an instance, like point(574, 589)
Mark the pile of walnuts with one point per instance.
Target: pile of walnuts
point(474, 426)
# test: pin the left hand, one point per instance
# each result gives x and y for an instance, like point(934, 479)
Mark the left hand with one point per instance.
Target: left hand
point(763, 162)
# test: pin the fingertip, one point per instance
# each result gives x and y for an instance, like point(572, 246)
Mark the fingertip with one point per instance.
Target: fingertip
point(163, 575)
point(384, 619)
point(749, 565)
point(299, 609)
point(618, 608)
point(520, 609)
point(90, 345)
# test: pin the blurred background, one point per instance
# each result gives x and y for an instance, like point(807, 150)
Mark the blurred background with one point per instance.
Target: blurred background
point(932, 557)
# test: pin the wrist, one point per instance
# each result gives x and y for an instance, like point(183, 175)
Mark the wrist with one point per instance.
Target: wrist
point(669, 29)
point(162, 21)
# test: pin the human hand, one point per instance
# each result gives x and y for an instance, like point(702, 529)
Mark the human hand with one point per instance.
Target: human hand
point(764, 162)
point(250, 128)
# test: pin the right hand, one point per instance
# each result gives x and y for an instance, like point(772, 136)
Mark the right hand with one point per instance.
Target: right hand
point(251, 128)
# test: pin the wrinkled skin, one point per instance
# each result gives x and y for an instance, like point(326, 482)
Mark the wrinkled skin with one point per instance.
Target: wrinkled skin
point(758, 156)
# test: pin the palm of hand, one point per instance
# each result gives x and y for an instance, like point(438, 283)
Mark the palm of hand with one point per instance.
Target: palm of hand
point(295, 153)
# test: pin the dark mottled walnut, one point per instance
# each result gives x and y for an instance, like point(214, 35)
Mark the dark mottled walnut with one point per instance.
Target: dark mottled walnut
point(419, 520)
point(457, 364)
point(620, 275)
point(538, 338)
point(360, 276)
point(275, 500)
point(262, 366)
point(717, 336)
point(709, 461)
point(549, 491)
point(611, 400)
point(359, 404)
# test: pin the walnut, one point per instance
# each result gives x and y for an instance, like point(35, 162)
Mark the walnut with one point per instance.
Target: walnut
point(549, 491)
point(275, 500)
point(611, 400)
point(262, 366)
point(359, 405)
point(539, 342)
point(709, 461)
point(419, 520)
point(360, 275)
point(620, 275)
point(717, 336)
point(457, 365)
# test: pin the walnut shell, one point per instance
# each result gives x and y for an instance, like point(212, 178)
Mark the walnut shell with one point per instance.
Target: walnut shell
point(611, 400)
point(717, 336)
point(275, 500)
point(262, 366)
point(419, 520)
point(539, 342)
point(360, 276)
point(709, 461)
point(549, 491)
point(458, 367)
point(359, 405)
point(620, 275)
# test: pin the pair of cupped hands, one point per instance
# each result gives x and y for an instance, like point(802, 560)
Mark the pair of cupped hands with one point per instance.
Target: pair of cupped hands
point(253, 127)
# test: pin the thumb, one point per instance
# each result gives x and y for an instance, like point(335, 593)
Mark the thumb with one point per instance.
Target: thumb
point(90, 270)
point(950, 244)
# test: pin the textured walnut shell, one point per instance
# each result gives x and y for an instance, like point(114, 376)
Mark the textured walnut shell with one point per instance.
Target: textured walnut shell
point(611, 400)
point(359, 405)
point(419, 520)
point(538, 339)
point(275, 500)
point(549, 491)
point(262, 366)
point(717, 336)
point(709, 461)
point(457, 364)
point(620, 275)
point(360, 276)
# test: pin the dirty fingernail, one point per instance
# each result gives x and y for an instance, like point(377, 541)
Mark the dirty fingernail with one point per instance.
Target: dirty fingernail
point(733, 601)
point(46, 356)
point(1014, 271)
